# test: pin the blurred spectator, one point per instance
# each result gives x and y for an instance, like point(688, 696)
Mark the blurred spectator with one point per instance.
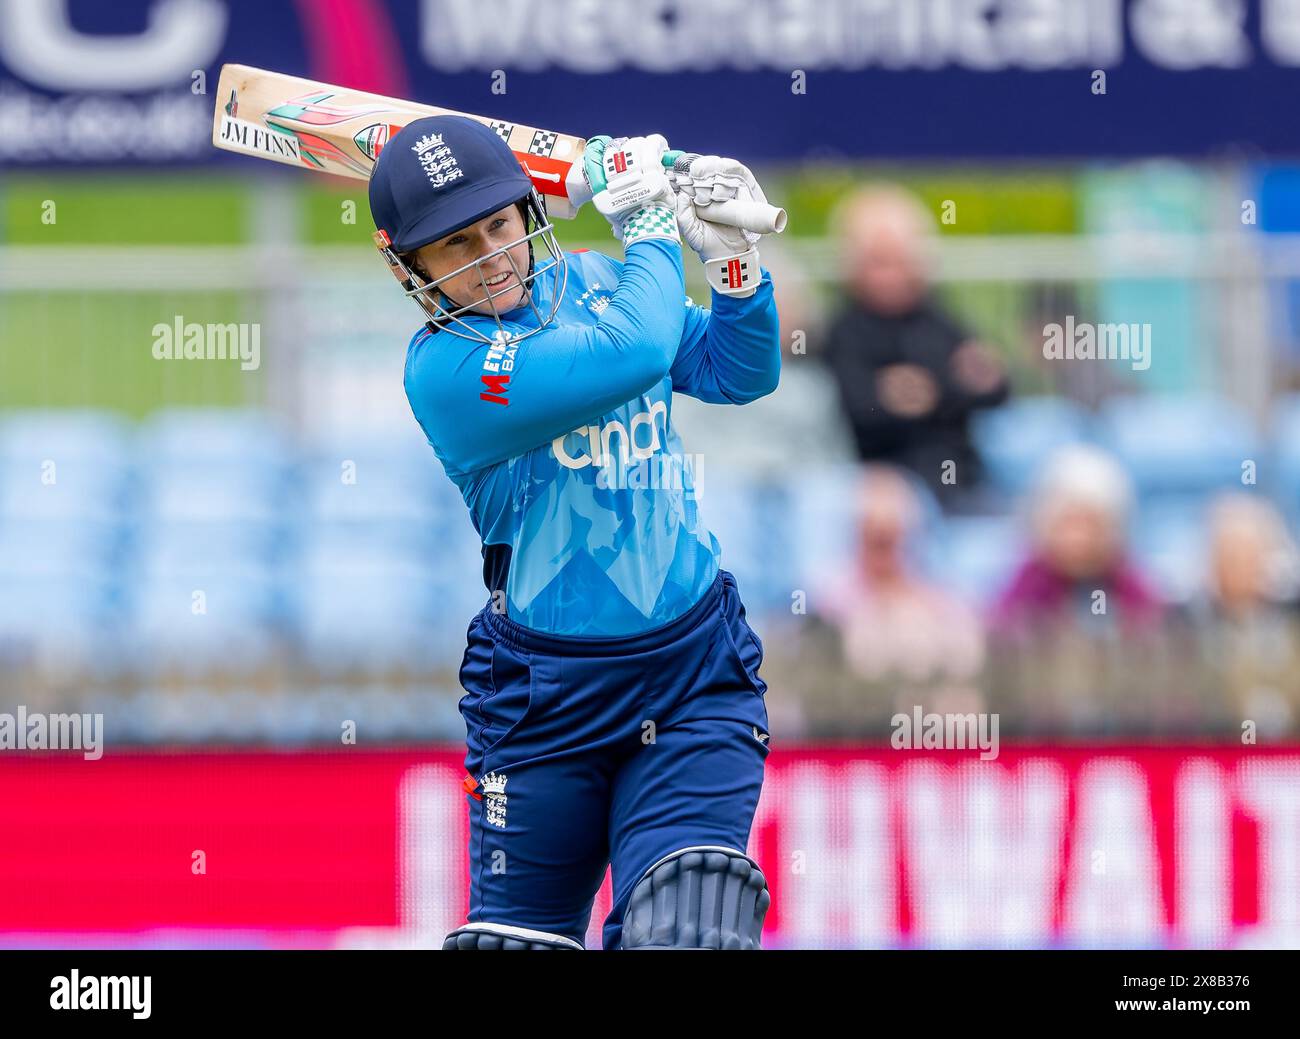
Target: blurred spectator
point(1078, 575)
point(896, 627)
point(909, 376)
point(1247, 625)
point(1252, 557)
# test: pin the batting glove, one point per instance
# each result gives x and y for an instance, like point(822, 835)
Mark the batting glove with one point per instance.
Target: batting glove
point(729, 254)
point(713, 178)
point(631, 188)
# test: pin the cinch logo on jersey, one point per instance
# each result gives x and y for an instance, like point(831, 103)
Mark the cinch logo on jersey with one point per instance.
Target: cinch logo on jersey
point(634, 440)
point(497, 366)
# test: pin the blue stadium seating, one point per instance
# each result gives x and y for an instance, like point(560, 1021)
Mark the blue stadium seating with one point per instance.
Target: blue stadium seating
point(64, 489)
point(204, 547)
point(61, 614)
point(58, 547)
point(979, 554)
point(1179, 445)
point(195, 436)
point(197, 622)
point(1285, 468)
point(1169, 541)
point(747, 517)
point(820, 526)
point(1014, 440)
point(227, 489)
point(386, 570)
point(91, 436)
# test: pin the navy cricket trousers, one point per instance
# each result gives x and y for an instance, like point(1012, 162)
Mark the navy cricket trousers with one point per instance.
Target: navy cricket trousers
point(615, 751)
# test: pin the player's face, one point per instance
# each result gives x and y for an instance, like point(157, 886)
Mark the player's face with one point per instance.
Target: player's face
point(493, 276)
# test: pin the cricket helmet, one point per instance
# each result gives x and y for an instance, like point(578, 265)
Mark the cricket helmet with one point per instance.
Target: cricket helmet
point(437, 176)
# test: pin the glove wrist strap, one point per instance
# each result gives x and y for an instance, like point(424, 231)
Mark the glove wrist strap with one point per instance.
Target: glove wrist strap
point(650, 222)
point(734, 275)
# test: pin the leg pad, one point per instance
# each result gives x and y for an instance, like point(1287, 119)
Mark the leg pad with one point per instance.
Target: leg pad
point(485, 937)
point(698, 898)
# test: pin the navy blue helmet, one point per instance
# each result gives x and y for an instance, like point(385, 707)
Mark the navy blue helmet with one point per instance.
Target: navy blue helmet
point(439, 175)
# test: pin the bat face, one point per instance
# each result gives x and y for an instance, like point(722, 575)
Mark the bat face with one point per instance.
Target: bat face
point(330, 129)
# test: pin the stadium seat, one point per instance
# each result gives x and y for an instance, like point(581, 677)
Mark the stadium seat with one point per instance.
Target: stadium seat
point(1169, 542)
point(375, 619)
point(980, 554)
point(66, 614)
point(1276, 189)
point(1014, 439)
point(195, 436)
point(821, 522)
point(68, 490)
point(203, 621)
point(357, 548)
point(91, 436)
point(56, 547)
point(1285, 440)
point(1179, 445)
point(248, 489)
point(204, 547)
point(751, 520)
point(372, 489)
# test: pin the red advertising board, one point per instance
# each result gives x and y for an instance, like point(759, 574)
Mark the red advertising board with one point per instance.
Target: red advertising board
point(1042, 847)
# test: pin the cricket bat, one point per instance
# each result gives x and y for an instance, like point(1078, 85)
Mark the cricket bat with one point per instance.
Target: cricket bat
point(330, 129)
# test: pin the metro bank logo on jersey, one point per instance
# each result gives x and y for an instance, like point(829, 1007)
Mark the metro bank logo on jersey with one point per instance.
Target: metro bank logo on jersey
point(497, 366)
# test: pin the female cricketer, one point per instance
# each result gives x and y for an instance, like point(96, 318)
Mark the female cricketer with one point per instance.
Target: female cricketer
point(613, 708)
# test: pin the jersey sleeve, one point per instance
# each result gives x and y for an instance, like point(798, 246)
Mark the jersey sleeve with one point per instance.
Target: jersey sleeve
point(731, 353)
point(558, 378)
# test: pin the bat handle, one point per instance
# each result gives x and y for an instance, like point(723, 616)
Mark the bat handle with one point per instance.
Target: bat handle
point(746, 214)
point(758, 217)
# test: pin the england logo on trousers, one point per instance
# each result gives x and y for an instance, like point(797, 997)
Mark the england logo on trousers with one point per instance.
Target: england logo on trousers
point(494, 798)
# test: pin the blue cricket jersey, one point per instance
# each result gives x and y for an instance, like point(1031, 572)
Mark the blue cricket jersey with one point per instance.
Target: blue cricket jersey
point(563, 447)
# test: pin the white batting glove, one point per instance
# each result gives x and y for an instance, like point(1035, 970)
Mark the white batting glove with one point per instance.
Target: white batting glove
point(714, 178)
point(636, 197)
point(729, 254)
point(712, 241)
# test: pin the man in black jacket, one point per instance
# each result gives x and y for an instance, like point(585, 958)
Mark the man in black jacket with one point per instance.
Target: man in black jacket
point(909, 376)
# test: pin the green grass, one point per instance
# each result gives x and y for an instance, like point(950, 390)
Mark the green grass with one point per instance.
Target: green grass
point(327, 204)
point(116, 210)
point(95, 350)
point(207, 210)
point(986, 201)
